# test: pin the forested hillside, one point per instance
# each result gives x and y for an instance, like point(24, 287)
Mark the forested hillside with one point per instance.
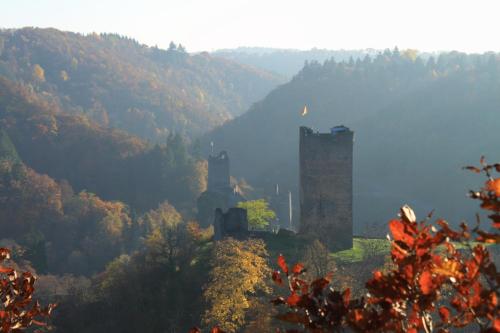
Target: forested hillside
point(414, 122)
point(120, 83)
point(110, 163)
point(74, 195)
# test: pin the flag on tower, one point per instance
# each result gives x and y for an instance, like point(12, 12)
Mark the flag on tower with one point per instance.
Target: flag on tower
point(304, 112)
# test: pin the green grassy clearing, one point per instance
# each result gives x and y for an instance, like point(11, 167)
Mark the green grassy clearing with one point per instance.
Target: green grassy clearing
point(292, 247)
point(363, 248)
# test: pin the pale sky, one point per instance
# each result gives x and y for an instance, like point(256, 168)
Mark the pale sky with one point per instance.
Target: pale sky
point(206, 25)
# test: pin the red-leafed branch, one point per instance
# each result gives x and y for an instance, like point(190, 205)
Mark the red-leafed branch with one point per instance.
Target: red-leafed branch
point(18, 310)
point(410, 297)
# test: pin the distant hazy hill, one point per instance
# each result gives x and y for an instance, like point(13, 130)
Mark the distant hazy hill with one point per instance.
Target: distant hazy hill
point(416, 124)
point(287, 62)
point(120, 83)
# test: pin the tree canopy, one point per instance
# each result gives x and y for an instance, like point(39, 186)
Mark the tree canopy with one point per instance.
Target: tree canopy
point(239, 270)
point(258, 212)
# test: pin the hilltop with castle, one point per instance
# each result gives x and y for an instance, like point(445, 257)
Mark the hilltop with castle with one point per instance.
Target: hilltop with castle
point(325, 195)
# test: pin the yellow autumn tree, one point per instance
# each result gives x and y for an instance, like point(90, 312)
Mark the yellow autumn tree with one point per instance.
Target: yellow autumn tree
point(163, 218)
point(38, 73)
point(64, 75)
point(239, 272)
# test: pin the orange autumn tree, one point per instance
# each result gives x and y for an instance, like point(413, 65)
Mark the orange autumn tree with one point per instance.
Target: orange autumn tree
point(411, 297)
point(18, 310)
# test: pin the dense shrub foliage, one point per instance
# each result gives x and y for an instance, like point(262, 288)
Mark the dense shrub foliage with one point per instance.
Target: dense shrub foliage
point(154, 289)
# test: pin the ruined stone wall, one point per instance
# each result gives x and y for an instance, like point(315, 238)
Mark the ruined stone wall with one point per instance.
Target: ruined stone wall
point(233, 223)
point(326, 187)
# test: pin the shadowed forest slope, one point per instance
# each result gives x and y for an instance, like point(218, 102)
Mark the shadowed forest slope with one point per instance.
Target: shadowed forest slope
point(111, 163)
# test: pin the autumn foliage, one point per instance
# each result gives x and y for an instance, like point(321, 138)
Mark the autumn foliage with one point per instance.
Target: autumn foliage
point(239, 274)
point(18, 310)
point(442, 279)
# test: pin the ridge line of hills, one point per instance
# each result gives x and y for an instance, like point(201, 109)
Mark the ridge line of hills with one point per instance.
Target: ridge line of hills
point(121, 83)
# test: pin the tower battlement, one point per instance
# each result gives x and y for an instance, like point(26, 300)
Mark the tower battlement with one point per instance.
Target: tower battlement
point(326, 185)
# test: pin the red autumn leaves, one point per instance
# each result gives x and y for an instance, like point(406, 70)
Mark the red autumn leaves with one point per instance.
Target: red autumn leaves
point(493, 186)
point(312, 305)
point(18, 311)
point(412, 296)
point(489, 196)
point(295, 284)
point(296, 269)
point(425, 282)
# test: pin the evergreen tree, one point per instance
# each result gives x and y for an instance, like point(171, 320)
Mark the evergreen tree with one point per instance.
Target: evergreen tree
point(7, 149)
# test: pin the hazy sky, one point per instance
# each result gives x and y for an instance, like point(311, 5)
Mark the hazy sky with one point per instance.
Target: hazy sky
point(428, 25)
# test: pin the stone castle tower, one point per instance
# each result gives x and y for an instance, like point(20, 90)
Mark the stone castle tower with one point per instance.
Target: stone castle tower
point(218, 172)
point(326, 186)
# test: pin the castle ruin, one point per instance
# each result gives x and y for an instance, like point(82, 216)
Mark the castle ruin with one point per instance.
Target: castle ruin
point(326, 186)
point(220, 193)
point(233, 223)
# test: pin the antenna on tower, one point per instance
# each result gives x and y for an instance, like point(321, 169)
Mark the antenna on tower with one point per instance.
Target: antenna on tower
point(290, 208)
point(277, 189)
point(212, 146)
